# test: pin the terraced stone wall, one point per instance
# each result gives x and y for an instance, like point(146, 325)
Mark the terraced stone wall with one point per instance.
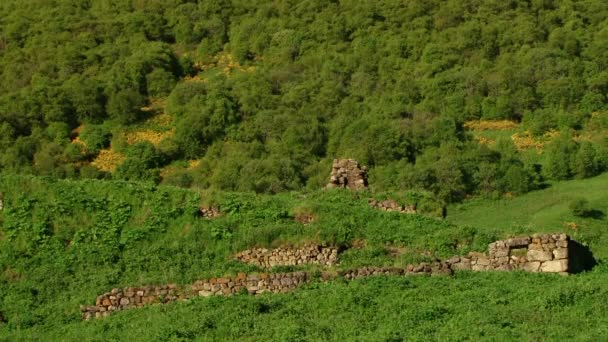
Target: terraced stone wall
point(287, 256)
point(254, 284)
point(536, 253)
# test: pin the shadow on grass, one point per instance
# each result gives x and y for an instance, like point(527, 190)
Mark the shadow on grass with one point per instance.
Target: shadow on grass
point(580, 257)
point(595, 214)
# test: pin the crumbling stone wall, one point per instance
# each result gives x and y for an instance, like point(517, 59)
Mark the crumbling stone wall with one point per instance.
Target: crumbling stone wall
point(392, 205)
point(209, 212)
point(258, 283)
point(285, 256)
point(537, 253)
point(346, 173)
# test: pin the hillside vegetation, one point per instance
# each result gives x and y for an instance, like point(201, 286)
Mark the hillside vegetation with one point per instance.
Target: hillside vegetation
point(62, 243)
point(545, 210)
point(260, 96)
point(120, 120)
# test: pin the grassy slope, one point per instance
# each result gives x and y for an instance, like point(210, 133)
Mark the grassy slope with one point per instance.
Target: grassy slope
point(543, 211)
point(64, 242)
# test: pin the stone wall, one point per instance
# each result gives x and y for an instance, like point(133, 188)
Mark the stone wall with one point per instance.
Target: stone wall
point(391, 205)
point(258, 283)
point(286, 256)
point(537, 253)
point(209, 212)
point(553, 253)
point(346, 173)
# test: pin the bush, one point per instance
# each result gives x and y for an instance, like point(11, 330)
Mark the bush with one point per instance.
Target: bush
point(580, 207)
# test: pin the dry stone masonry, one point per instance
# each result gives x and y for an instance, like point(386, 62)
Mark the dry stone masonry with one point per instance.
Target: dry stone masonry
point(209, 213)
point(285, 256)
point(552, 253)
point(258, 283)
point(538, 253)
point(346, 173)
point(391, 205)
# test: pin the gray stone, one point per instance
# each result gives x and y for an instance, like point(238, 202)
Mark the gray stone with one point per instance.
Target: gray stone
point(124, 301)
point(536, 255)
point(554, 266)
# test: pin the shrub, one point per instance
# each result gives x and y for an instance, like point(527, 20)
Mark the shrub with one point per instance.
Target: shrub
point(580, 207)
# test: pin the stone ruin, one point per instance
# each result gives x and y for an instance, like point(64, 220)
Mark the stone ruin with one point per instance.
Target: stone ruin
point(285, 256)
point(346, 173)
point(209, 212)
point(551, 253)
point(253, 284)
point(391, 205)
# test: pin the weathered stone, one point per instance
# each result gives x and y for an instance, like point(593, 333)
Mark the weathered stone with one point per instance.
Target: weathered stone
point(347, 173)
point(560, 253)
point(536, 255)
point(500, 253)
point(453, 260)
point(483, 261)
point(554, 266)
point(124, 301)
point(461, 266)
point(532, 266)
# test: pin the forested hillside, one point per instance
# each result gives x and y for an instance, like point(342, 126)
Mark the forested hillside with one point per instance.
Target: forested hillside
point(262, 95)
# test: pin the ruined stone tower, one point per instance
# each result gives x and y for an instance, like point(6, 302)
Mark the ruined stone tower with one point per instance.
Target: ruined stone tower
point(346, 173)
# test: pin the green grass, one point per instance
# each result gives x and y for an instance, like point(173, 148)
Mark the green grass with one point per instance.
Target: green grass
point(479, 307)
point(543, 211)
point(64, 242)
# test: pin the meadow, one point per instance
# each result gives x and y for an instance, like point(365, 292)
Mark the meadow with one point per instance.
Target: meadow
point(63, 242)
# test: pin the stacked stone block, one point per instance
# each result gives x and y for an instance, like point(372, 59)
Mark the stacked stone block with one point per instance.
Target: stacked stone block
point(253, 284)
point(538, 253)
point(132, 297)
point(391, 205)
point(346, 173)
point(285, 256)
point(210, 213)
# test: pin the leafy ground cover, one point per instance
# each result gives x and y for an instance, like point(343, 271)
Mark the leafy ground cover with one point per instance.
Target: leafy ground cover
point(63, 242)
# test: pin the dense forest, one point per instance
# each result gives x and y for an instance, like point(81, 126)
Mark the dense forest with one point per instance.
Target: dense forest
point(262, 95)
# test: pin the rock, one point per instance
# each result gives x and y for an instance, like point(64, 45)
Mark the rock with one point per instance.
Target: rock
point(532, 266)
point(500, 253)
point(483, 261)
point(560, 253)
point(124, 301)
point(554, 266)
point(461, 266)
point(453, 260)
point(536, 255)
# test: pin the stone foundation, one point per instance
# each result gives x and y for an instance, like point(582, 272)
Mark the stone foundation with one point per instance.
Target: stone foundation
point(253, 284)
point(210, 213)
point(285, 256)
point(391, 205)
point(551, 253)
point(346, 173)
point(538, 253)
